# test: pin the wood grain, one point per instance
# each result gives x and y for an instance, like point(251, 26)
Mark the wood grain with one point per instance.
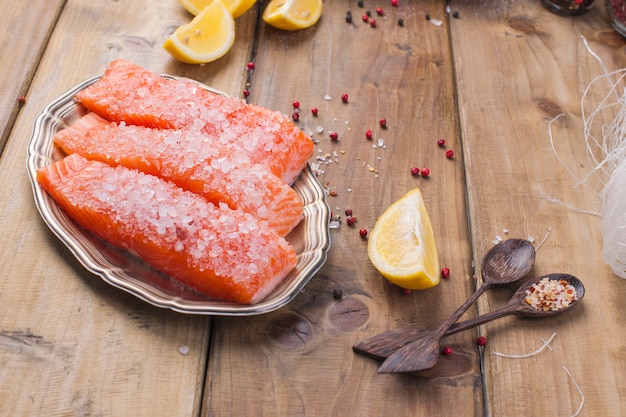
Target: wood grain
point(529, 67)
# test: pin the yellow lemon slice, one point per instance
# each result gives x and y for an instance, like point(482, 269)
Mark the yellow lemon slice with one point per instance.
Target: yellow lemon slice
point(235, 7)
point(206, 38)
point(402, 244)
point(292, 14)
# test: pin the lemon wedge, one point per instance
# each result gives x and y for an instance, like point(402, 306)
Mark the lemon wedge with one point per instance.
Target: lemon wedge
point(235, 7)
point(292, 14)
point(206, 38)
point(402, 244)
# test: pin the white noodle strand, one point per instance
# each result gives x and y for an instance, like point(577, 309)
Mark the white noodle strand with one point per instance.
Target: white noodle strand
point(528, 355)
point(580, 391)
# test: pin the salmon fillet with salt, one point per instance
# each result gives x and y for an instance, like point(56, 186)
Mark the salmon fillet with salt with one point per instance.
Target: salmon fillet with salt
point(129, 93)
point(223, 253)
point(191, 161)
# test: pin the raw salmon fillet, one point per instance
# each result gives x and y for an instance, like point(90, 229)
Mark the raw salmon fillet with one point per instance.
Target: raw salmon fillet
point(129, 93)
point(223, 253)
point(191, 161)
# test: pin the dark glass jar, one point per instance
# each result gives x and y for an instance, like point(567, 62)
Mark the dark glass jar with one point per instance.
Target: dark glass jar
point(617, 13)
point(568, 7)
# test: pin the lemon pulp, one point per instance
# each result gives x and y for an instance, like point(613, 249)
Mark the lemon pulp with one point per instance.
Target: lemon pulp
point(235, 7)
point(293, 14)
point(209, 36)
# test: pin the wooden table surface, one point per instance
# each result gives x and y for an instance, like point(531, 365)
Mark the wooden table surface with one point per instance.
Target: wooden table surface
point(488, 81)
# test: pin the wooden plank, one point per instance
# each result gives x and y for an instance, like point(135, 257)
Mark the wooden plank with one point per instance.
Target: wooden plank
point(299, 360)
point(70, 344)
point(519, 66)
point(27, 29)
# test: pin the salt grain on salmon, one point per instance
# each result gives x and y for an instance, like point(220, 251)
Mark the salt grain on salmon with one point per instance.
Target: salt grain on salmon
point(223, 253)
point(190, 160)
point(131, 94)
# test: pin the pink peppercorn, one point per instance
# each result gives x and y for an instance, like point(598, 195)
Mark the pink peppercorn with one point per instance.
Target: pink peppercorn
point(394, 3)
point(406, 291)
point(449, 154)
point(350, 220)
point(383, 123)
point(445, 272)
point(369, 134)
point(481, 341)
point(296, 104)
point(295, 116)
point(373, 23)
point(348, 212)
point(425, 172)
point(21, 100)
point(333, 136)
point(344, 98)
point(379, 11)
point(415, 171)
point(441, 142)
point(246, 93)
point(314, 111)
point(363, 233)
point(447, 351)
point(365, 18)
point(250, 66)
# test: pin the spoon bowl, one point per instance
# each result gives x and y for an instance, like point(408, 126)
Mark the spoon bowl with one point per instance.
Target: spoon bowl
point(508, 261)
point(383, 345)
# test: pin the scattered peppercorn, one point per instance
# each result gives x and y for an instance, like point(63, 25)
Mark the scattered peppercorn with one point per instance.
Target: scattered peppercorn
point(400, 22)
point(296, 104)
point(365, 18)
point(406, 291)
point(383, 123)
point(425, 172)
point(427, 16)
point(363, 233)
point(380, 11)
point(441, 142)
point(246, 93)
point(445, 272)
point(447, 351)
point(415, 171)
point(344, 98)
point(348, 18)
point(481, 340)
point(373, 23)
point(21, 100)
point(455, 14)
point(337, 293)
point(359, 3)
point(394, 3)
point(333, 136)
point(449, 154)
point(350, 220)
point(314, 111)
point(368, 13)
point(369, 134)
point(250, 66)
point(348, 212)
point(295, 116)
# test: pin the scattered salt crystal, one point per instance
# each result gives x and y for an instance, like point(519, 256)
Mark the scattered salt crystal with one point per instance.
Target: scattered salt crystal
point(183, 350)
point(380, 142)
point(334, 224)
point(505, 231)
point(327, 97)
point(436, 22)
point(319, 129)
point(499, 238)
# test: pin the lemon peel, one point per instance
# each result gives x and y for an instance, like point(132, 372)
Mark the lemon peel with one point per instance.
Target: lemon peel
point(402, 244)
point(235, 7)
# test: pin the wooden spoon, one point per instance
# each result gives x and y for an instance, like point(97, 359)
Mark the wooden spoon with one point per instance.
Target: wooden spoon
point(383, 345)
point(506, 262)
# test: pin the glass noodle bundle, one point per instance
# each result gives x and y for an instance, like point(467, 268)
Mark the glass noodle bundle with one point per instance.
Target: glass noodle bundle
point(605, 136)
